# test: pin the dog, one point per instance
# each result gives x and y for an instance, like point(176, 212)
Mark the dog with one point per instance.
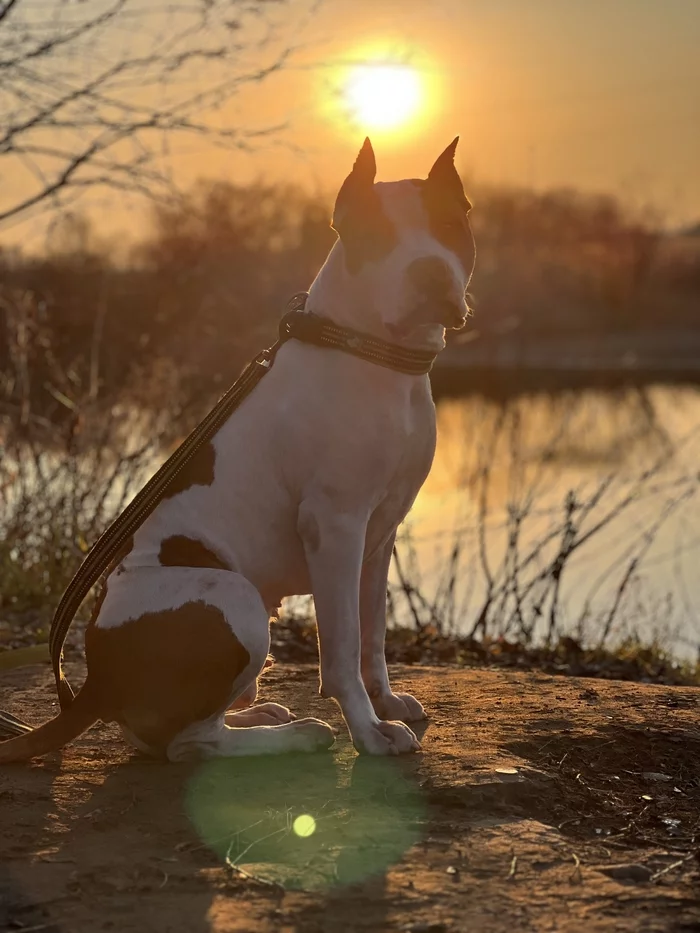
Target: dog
point(300, 491)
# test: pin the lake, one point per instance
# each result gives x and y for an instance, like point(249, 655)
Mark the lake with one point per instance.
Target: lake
point(576, 510)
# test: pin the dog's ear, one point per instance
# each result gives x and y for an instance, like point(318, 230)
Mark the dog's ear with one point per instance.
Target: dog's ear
point(358, 188)
point(364, 171)
point(444, 177)
point(365, 232)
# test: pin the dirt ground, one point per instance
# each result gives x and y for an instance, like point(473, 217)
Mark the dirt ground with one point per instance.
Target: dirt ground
point(538, 803)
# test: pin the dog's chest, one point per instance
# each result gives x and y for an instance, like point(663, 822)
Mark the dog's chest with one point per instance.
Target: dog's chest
point(414, 449)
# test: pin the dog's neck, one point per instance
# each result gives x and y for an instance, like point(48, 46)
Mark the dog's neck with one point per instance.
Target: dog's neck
point(337, 295)
point(354, 301)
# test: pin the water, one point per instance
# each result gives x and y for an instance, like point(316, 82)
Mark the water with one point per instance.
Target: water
point(502, 473)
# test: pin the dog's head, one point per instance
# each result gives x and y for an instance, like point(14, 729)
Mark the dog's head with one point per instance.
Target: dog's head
point(407, 249)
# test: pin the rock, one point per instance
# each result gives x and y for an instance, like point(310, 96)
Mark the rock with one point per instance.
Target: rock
point(434, 926)
point(632, 873)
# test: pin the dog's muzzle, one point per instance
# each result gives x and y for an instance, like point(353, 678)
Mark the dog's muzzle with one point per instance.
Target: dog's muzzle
point(432, 282)
point(445, 311)
point(451, 315)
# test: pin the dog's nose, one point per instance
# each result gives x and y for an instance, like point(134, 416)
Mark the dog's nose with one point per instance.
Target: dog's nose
point(431, 277)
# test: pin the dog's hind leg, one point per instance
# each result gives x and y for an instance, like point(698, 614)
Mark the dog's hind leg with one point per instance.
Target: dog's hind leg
point(264, 714)
point(242, 712)
point(172, 649)
point(215, 739)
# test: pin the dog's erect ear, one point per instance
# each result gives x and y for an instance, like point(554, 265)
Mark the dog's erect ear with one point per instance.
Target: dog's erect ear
point(366, 233)
point(356, 191)
point(444, 167)
point(365, 168)
point(443, 176)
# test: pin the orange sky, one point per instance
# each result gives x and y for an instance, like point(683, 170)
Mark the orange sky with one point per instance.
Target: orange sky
point(603, 95)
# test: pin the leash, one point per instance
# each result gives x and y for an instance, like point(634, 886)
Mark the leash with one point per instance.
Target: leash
point(296, 324)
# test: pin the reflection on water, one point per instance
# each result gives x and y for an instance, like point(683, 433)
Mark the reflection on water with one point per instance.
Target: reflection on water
point(542, 467)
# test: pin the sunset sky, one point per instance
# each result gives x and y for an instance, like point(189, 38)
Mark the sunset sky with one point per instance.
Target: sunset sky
point(601, 95)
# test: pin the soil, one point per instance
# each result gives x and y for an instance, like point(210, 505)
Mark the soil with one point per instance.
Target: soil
point(538, 803)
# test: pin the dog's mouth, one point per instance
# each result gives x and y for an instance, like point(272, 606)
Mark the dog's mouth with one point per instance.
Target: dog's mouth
point(451, 315)
point(445, 312)
point(425, 315)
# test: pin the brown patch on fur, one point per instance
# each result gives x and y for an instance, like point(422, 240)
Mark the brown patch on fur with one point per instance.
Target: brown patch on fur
point(430, 276)
point(160, 673)
point(181, 551)
point(448, 221)
point(432, 281)
point(199, 471)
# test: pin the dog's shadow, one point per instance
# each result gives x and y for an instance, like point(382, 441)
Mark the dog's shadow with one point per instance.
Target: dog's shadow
point(190, 843)
point(28, 807)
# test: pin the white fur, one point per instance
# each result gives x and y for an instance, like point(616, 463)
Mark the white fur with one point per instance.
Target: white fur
point(313, 474)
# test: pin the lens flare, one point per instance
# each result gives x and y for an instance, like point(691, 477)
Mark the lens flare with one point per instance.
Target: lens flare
point(304, 825)
point(256, 816)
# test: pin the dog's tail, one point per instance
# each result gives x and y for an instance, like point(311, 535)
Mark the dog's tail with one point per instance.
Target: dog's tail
point(68, 725)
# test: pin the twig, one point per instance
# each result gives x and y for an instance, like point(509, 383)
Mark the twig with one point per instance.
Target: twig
point(664, 871)
point(234, 866)
point(575, 876)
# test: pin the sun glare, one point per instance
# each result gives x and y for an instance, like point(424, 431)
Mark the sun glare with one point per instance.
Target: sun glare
point(383, 96)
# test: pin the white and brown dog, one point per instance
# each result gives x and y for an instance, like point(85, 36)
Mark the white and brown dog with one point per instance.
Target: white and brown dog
point(301, 491)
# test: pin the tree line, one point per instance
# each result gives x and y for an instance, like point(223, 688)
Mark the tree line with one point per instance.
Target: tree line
point(204, 289)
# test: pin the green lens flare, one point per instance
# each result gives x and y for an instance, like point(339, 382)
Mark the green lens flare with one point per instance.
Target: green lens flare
point(304, 825)
point(307, 822)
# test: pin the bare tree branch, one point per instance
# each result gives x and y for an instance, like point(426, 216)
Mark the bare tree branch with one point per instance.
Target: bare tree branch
point(99, 94)
point(4, 11)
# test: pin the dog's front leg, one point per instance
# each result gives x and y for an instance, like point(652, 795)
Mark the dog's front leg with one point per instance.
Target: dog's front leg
point(334, 543)
point(373, 584)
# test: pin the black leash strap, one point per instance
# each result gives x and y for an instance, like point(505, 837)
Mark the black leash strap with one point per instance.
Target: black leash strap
point(296, 324)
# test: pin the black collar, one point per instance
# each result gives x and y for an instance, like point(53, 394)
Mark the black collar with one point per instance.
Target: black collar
point(312, 328)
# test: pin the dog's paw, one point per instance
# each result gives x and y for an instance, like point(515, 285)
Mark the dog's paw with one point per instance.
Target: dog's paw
point(310, 735)
point(277, 711)
point(401, 707)
point(265, 714)
point(386, 738)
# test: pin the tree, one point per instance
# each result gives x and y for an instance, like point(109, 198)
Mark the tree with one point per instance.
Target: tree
point(97, 92)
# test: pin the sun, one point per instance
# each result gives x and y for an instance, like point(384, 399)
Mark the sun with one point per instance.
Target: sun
point(382, 96)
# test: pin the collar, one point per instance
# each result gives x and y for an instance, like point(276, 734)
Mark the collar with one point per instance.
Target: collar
point(312, 328)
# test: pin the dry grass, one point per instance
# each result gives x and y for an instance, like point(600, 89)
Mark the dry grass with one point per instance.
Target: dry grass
point(516, 556)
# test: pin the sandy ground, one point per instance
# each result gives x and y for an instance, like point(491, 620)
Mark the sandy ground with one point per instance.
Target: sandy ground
point(538, 803)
